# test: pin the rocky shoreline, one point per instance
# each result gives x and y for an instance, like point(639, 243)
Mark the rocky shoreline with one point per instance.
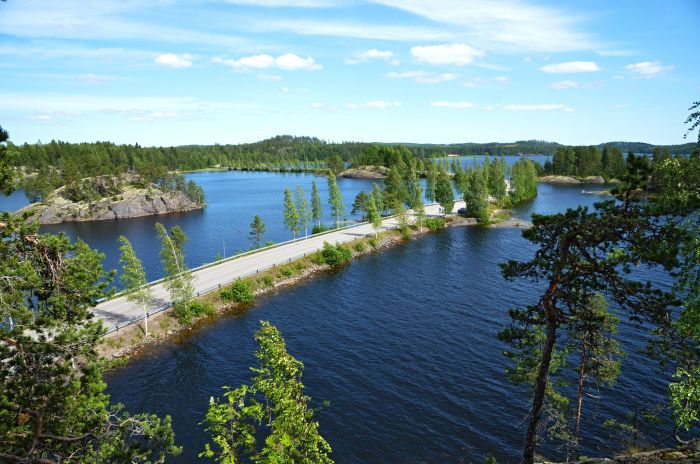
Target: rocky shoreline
point(130, 202)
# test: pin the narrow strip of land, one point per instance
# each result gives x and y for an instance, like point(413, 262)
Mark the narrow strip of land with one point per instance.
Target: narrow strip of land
point(119, 312)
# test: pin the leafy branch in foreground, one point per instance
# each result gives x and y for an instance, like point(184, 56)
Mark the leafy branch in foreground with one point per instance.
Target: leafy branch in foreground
point(274, 404)
point(52, 402)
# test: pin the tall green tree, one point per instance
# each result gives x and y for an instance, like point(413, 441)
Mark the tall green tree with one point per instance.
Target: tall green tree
point(335, 201)
point(178, 278)
point(444, 194)
point(430, 180)
point(581, 253)
point(418, 205)
point(523, 181)
point(395, 193)
point(302, 205)
point(257, 230)
point(133, 277)
point(7, 171)
point(53, 407)
point(291, 214)
point(273, 404)
point(378, 197)
point(591, 333)
point(373, 214)
point(360, 204)
point(316, 211)
point(497, 180)
point(476, 196)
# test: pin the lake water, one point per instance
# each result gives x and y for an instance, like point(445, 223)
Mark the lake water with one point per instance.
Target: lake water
point(233, 199)
point(403, 345)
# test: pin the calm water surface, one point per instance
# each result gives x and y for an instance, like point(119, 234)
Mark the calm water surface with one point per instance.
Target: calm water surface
point(233, 199)
point(402, 343)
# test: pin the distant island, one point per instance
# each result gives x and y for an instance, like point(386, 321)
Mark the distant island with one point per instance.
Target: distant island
point(115, 197)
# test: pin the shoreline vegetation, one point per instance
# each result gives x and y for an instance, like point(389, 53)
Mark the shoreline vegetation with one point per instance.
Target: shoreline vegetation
point(119, 346)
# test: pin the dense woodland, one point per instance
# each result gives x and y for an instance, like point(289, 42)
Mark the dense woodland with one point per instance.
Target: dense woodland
point(60, 163)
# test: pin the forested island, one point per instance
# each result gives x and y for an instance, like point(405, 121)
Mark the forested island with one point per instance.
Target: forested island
point(114, 197)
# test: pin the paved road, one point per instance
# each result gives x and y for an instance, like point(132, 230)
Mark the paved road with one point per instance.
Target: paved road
point(119, 312)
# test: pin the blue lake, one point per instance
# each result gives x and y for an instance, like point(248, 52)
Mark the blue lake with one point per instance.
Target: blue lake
point(402, 344)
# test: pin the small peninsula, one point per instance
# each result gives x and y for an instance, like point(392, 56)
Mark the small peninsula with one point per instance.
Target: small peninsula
point(114, 197)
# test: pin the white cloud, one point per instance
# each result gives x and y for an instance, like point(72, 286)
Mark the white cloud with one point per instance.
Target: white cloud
point(648, 68)
point(287, 62)
point(365, 56)
point(481, 81)
point(94, 79)
point(538, 107)
point(170, 60)
point(269, 77)
point(374, 105)
point(348, 29)
point(456, 54)
point(423, 77)
point(287, 3)
point(571, 67)
point(504, 24)
point(318, 106)
point(454, 104)
point(567, 84)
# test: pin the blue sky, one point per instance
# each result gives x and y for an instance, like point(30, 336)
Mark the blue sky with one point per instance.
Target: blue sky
point(163, 72)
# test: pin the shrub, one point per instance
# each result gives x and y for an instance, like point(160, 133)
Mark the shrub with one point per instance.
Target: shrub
point(185, 312)
point(268, 281)
point(359, 247)
point(287, 271)
point(435, 223)
point(405, 232)
point(335, 255)
point(373, 242)
point(317, 229)
point(240, 291)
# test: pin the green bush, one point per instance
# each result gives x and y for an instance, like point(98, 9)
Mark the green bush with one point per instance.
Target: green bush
point(405, 232)
point(335, 255)
point(373, 242)
point(268, 281)
point(185, 312)
point(287, 271)
point(240, 291)
point(435, 223)
point(359, 247)
point(317, 229)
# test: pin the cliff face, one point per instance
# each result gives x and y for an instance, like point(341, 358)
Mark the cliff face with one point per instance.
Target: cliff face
point(130, 202)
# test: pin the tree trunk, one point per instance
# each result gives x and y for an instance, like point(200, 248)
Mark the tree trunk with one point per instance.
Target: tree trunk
point(540, 388)
point(579, 401)
point(145, 321)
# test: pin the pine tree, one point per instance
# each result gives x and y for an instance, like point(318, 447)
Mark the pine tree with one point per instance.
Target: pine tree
point(257, 229)
point(133, 278)
point(291, 215)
